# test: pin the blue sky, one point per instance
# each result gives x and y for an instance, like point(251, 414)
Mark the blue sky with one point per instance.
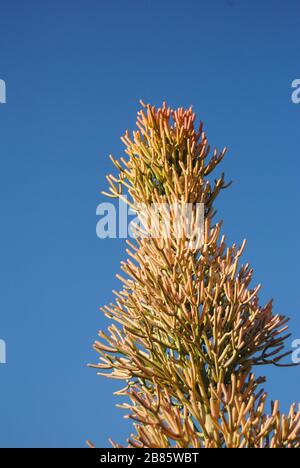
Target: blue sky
point(75, 71)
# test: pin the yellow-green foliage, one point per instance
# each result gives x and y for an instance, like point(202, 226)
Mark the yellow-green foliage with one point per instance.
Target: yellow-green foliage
point(187, 326)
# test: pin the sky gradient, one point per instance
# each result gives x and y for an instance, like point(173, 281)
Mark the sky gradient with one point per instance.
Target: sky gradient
point(75, 71)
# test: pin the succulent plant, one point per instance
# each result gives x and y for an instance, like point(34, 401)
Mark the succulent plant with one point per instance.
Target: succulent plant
point(187, 326)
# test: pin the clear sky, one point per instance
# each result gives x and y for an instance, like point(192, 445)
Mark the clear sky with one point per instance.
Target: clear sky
point(75, 71)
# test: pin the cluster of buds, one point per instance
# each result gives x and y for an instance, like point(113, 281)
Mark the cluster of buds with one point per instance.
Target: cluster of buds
point(187, 325)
